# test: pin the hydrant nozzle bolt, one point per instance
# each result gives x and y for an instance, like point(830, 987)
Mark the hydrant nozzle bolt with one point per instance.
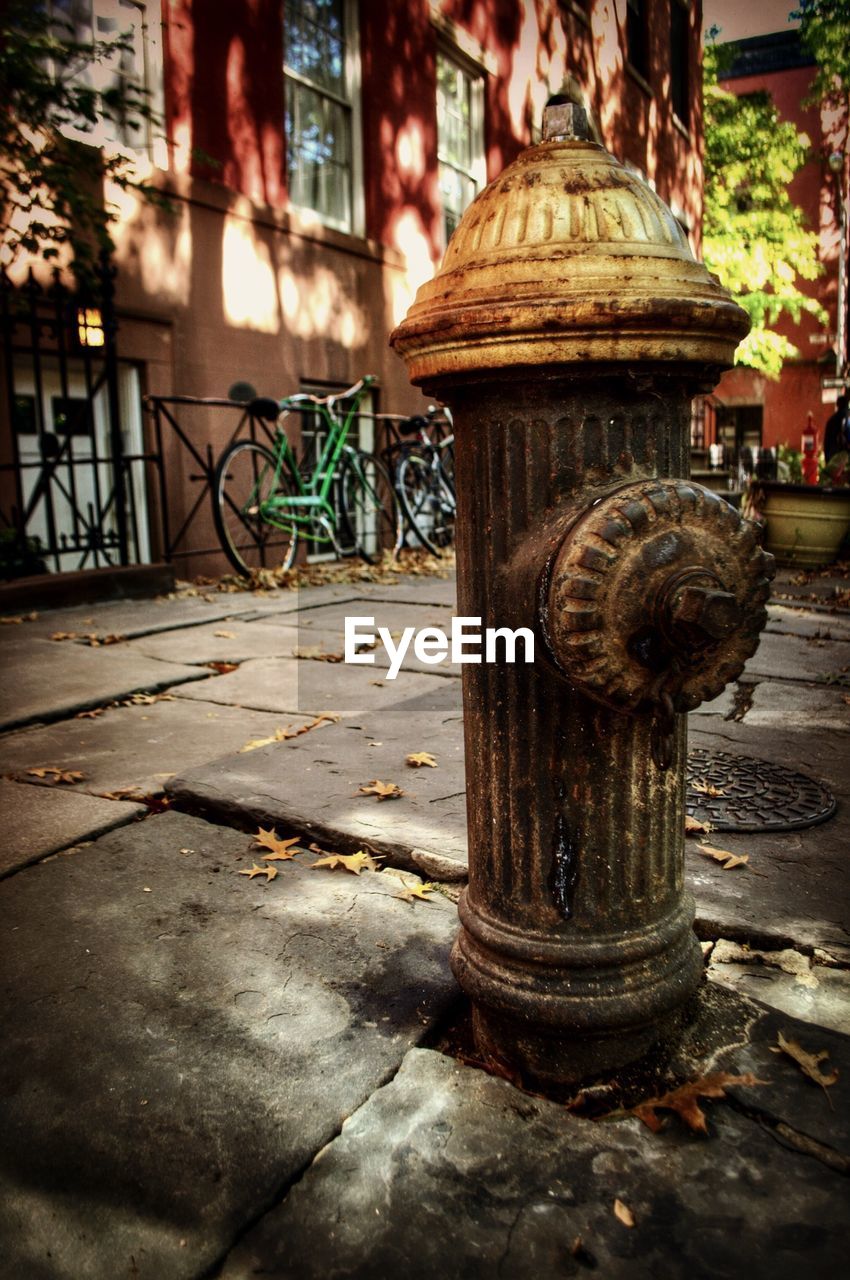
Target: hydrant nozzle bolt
point(700, 615)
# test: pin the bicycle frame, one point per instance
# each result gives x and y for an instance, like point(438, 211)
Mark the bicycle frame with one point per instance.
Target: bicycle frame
point(311, 505)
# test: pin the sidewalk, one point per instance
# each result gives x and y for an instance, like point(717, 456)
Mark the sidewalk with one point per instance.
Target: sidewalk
point(208, 1073)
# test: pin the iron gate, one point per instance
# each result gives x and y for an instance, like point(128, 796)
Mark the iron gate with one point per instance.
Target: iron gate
point(72, 486)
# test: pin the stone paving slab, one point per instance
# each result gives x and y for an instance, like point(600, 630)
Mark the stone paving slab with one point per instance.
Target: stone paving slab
point(45, 680)
point(803, 707)
point(290, 686)
point(450, 1172)
point(795, 984)
point(324, 629)
point(180, 1041)
point(793, 892)
point(792, 657)
point(140, 746)
point(788, 619)
point(38, 821)
point(232, 640)
point(129, 617)
point(313, 788)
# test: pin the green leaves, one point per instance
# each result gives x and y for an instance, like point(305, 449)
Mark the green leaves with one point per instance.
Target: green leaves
point(755, 238)
point(51, 172)
point(824, 25)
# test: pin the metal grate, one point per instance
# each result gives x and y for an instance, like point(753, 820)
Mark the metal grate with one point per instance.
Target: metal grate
point(752, 795)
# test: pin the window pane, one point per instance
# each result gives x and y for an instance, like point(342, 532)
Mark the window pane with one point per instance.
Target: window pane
point(314, 43)
point(318, 108)
point(318, 153)
point(460, 144)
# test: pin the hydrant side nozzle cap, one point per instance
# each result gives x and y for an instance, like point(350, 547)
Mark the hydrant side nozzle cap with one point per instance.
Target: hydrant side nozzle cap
point(567, 257)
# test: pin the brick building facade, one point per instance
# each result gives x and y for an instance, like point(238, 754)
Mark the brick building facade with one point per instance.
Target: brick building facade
point(319, 153)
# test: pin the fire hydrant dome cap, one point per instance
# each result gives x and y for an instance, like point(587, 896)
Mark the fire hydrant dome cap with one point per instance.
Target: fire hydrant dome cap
point(567, 257)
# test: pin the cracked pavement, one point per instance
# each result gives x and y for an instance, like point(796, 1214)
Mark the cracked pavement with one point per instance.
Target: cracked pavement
point(207, 1074)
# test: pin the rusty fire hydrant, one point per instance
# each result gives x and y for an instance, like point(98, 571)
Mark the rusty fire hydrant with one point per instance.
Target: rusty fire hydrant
point(569, 328)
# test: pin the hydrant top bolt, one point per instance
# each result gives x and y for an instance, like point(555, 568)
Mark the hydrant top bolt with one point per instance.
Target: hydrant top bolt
point(563, 121)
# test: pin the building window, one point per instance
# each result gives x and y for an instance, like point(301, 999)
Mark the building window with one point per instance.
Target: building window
point(318, 68)
point(679, 59)
point(460, 137)
point(636, 37)
point(130, 73)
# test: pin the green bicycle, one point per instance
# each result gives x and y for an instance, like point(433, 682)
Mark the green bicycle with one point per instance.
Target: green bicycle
point(263, 501)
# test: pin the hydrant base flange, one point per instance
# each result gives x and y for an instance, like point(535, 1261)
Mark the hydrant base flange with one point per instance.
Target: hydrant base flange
point(563, 1012)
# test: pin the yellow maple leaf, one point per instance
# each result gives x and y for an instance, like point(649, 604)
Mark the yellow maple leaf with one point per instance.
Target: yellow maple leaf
point(809, 1063)
point(268, 872)
point(50, 771)
point(281, 850)
point(708, 789)
point(686, 1099)
point(419, 758)
point(383, 790)
point(726, 859)
point(413, 890)
point(693, 826)
point(353, 862)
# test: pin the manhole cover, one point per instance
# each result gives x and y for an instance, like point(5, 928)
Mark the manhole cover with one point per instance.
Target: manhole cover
point(752, 795)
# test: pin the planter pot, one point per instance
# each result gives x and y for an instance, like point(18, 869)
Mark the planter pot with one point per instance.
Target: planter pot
point(805, 523)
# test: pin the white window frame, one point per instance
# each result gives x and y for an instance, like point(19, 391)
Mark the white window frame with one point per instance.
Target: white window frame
point(476, 73)
point(353, 80)
point(152, 144)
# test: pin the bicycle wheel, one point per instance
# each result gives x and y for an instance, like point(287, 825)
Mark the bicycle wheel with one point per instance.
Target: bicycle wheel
point(369, 517)
point(427, 501)
point(245, 479)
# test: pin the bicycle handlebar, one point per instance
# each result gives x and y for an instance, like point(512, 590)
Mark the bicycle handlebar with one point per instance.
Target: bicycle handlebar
point(304, 397)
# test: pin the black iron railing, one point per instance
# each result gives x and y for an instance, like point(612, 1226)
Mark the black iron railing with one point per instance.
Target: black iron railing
point(68, 495)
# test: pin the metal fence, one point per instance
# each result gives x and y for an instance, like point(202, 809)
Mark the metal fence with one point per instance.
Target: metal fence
point(71, 493)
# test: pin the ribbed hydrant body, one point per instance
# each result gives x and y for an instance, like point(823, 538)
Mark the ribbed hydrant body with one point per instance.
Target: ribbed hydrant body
point(568, 329)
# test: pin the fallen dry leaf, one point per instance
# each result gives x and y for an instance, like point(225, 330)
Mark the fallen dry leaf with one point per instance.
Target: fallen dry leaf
point(90, 715)
point(279, 849)
point(685, 1100)
point(225, 635)
point(254, 744)
point(809, 1063)
point(726, 859)
point(268, 872)
point(64, 635)
point(707, 789)
point(315, 654)
point(96, 641)
point(223, 668)
point(693, 826)
point(413, 890)
point(383, 790)
point(353, 862)
point(51, 772)
point(420, 758)
point(283, 735)
point(623, 1214)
